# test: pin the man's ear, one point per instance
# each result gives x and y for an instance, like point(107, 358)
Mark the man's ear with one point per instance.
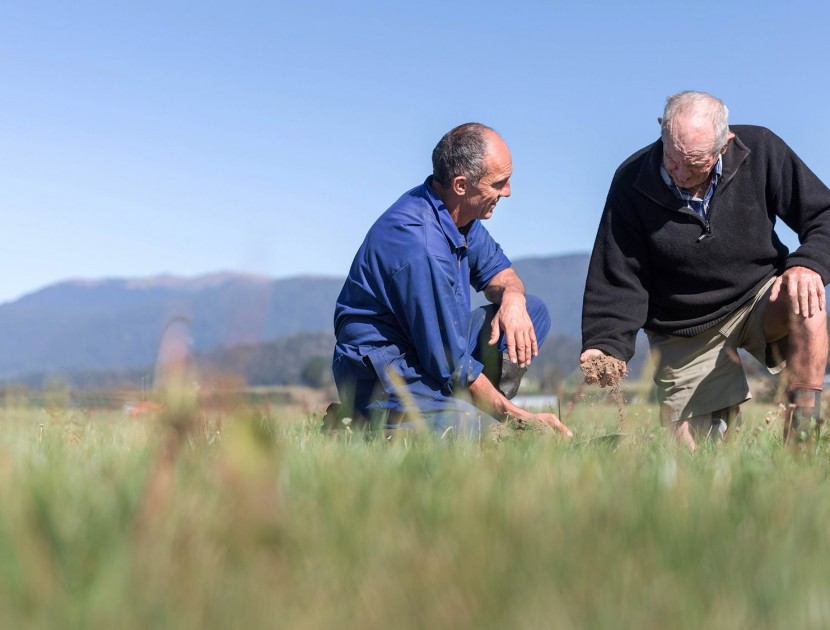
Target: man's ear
point(729, 140)
point(459, 185)
point(659, 121)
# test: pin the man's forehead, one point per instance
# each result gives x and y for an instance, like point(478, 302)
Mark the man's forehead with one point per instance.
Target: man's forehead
point(498, 156)
point(692, 135)
point(498, 169)
point(687, 152)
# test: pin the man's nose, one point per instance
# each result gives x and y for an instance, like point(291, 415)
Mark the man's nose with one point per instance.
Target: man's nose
point(505, 192)
point(679, 171)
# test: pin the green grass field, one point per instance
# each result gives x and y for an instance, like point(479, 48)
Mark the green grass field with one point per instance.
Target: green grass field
point(255, 519)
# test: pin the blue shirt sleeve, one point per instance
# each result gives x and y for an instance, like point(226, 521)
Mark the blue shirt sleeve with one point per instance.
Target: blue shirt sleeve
point(485, 256)
point(425, 296)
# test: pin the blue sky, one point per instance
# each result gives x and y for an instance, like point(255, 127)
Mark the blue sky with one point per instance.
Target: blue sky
point(140, 138)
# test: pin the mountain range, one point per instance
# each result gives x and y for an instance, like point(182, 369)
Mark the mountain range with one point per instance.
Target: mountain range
point(85, 326)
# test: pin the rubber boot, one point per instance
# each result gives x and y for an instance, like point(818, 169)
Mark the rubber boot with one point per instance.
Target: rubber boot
point(803, 421)
point(510, 377)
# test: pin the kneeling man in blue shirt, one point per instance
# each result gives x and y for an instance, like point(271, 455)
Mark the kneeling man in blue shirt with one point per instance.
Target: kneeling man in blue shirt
point(409, 349)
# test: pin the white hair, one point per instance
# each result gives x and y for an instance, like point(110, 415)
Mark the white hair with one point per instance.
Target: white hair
point(698, 101)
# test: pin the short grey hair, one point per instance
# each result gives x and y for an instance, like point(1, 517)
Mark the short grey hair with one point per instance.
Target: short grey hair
point(461, 153)
point(690, 101)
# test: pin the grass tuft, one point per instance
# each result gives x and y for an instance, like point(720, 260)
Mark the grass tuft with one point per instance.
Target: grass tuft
point(255, 519)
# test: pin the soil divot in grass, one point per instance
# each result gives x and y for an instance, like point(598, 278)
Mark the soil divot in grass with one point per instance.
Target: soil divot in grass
point(515, 426)
point(613, 370)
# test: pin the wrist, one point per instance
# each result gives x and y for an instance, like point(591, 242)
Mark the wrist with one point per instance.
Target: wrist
point(511, 296)
point(509, 409)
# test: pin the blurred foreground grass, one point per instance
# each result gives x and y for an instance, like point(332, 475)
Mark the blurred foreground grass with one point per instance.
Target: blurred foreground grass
point(258, 520)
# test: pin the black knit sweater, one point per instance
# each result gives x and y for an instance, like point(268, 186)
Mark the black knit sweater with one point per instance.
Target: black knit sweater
point(658, 266)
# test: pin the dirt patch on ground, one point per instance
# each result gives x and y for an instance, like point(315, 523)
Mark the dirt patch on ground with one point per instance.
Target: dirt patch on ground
point(608, 371)
point(513, 426)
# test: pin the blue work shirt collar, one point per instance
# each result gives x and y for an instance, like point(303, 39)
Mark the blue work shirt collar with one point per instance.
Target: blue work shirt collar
point(451, 231)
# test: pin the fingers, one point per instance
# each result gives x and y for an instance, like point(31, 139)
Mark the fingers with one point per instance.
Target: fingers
point(519, 337)
point(520, 348)
point(804, 288)
point(588, 371)
point(795, 296)
point(523, 349)
point(495, 332)
point(598, 367)
point(813, 304)
point(559, 426)
point(591, 378)
point(815, 298)
point(776, 288)
point(555, 423)
point(511, 348)
point(805, 297)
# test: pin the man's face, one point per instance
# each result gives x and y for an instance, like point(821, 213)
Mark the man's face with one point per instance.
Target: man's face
point(481, 198)
point(687, 152)
point(688, 170)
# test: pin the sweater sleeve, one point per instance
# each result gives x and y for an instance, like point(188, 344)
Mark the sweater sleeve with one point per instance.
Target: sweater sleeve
point(615, 303)
point(802, 201)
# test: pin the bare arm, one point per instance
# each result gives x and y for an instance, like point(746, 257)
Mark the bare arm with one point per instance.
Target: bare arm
point(488, 398)
point(508, 291)
point(505, 281)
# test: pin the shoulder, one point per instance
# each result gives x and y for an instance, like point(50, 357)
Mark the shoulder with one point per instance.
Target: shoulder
point(633, 164)
point(756, 137)
point(404, 219)
point(404, 231)
point(763, 147)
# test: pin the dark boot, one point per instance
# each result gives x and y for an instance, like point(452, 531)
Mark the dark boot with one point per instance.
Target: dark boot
point(333, 420)
point(339, 416)
point(803, 421)
point(510, 377)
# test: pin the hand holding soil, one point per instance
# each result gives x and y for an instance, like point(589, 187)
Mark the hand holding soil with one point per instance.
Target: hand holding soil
point(601, 368)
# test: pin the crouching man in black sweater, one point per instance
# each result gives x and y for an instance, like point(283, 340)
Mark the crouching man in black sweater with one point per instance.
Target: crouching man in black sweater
point(686, 249)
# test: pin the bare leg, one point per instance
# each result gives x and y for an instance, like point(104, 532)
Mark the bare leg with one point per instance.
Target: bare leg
point(806, 360)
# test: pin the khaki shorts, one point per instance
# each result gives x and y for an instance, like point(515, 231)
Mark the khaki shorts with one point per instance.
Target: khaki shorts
point(701, 374)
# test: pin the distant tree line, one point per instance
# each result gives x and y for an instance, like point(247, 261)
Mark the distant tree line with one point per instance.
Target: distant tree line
point(299, 359)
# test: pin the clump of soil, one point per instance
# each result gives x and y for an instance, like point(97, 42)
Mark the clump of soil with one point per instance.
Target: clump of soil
point(512, 426)
point(608, 370)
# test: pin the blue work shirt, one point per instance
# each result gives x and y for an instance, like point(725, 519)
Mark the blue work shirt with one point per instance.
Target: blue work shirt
point(405, 306)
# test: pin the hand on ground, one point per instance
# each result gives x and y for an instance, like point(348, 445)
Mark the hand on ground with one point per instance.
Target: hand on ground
point(553, 421)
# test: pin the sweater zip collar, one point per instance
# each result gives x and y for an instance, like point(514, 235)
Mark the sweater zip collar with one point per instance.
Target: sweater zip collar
point(650, 183)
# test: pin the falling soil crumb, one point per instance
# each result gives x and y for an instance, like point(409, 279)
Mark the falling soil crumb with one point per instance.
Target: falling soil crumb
point(612, 371)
